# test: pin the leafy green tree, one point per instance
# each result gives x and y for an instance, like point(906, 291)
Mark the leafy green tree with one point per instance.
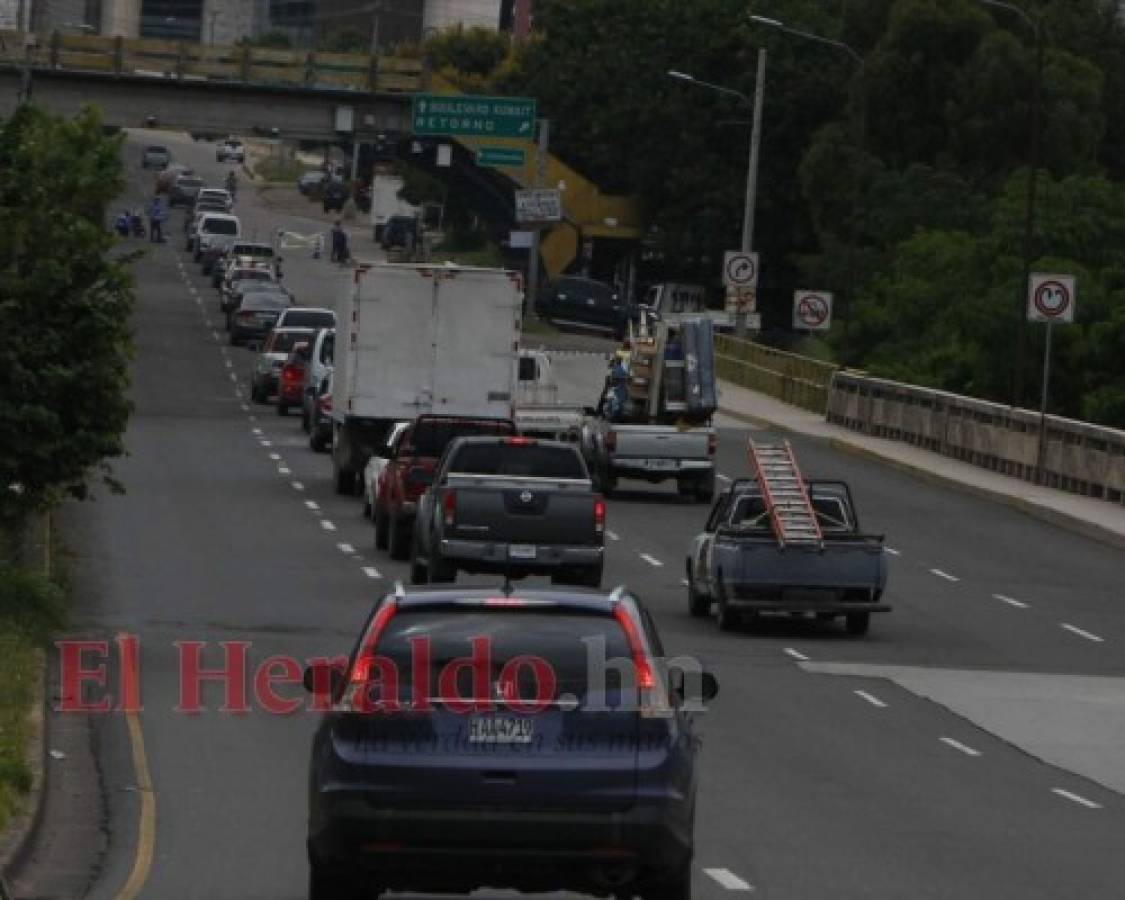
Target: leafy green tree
point(65, 302)
point(344, 40)
point(468, 51)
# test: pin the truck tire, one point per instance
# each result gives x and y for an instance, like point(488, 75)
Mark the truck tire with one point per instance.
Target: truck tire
point(345, 479)
point(438, 569)
point(607, 483)
point(399, 538)
point(698, 604)
point(705, 490)
point(282, 409)
point(858, 623)
point(728, 617)
point(381, 536)
point(316, 442)
point(591, 577)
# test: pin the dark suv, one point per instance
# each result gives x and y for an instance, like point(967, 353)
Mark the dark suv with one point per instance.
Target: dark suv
point(472, 741)
point(572, 300)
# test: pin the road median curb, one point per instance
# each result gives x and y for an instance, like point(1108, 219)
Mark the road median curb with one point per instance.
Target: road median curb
point(18, 838)
point(1030, 507)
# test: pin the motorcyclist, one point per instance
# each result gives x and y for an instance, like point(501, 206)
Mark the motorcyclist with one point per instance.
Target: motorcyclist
point(121, 223)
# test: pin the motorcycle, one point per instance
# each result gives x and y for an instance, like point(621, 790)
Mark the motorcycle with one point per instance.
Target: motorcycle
point(137, 225)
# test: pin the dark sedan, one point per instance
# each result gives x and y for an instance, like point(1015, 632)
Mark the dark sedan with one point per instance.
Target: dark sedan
point(585, 303)
point(255, 316)
point(471, 742)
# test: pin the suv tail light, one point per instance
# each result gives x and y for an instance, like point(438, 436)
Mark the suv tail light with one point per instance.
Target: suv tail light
point(642, 667)
point(449, 507)
point(599, 515)
point(355, 698)
point(293, 374)
point(611, 441)
point(712, 444)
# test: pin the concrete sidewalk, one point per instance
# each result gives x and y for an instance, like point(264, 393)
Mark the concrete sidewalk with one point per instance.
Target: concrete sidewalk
point(1099, 519)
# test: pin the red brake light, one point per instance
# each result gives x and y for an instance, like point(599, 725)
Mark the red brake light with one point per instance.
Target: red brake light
point(292, 374)
point(599, 515)
point(646, 680)
point(519, 441)
point(712, 444)
point(611, 441)
point(362, 669)
point(449, 508)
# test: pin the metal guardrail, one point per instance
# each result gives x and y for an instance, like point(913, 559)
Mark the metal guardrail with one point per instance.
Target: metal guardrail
point(1080, 458)
point(789, 377)
point(198, 62)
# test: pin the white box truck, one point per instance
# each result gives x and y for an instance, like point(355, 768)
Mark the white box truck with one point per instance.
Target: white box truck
point(420, 338)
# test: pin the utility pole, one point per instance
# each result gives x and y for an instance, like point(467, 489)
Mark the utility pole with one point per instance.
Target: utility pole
point(376, 8)
point(752, 179)
point(540, 178)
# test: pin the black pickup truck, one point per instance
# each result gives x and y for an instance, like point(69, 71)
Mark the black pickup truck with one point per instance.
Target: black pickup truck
point(510, 505)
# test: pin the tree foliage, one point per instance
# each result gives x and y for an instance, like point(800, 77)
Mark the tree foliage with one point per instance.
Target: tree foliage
point(64, 308)
point(475, 52)
point(875, 178)
point(344, 40)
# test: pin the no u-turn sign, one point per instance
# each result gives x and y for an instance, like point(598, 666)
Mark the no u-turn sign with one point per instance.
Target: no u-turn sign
point(1050, 298)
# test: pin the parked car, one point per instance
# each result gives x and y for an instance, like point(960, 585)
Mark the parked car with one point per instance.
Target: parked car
point(320, 438)
point(183, 190)
point(291, 382)
point(249, 251)
point(585, 786)
point(242, 280)
point(218, 195)
point(230, 150)
point(215, 233)
point(166, 177)
point(586, 303)
point(271, 359)
point(311, 180)
point(197, 211)
point(510, 505)
point(321, 361)
point(156, 157)
point(307, 317)
point(380, 459)
point(415, 457)
point(255, 316)
point(334, 196)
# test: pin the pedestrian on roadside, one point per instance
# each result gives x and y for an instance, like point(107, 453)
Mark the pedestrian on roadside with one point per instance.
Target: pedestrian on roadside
point(156, 216)
point(339, 243)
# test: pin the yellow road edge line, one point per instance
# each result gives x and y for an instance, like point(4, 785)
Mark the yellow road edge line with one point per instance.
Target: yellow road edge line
point(146, 832)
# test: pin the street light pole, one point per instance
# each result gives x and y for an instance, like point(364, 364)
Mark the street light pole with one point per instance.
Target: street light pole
point(751, 197)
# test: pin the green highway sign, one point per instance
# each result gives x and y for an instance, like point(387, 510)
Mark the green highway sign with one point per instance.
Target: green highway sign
point(449, 114)
point(501, 156)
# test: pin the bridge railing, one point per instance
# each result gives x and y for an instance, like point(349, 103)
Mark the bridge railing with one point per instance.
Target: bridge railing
point(193, 61)
point(789, 377)
point(1079, 457)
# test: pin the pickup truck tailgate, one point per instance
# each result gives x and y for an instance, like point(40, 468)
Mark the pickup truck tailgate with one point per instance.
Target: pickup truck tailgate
point(524, 511)
point(751, 564)
point(660, 442)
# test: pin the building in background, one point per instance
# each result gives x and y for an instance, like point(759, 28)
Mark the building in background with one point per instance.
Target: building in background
point(439, 15)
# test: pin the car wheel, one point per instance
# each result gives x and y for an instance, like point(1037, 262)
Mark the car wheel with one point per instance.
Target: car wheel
point(705, 490)
point(418, 574)
point(345, 481)
point(440, 570)
point(399, 535)
point(728, 616)
point(257, 394)
point(698, 604)
point(381, 536)
point(858, 623)
point(685, 488)
point(306, 422)
point(316, 442)
point(678, 887)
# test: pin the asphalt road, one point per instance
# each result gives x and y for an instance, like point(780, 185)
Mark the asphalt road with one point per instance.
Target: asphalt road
point(813, 785)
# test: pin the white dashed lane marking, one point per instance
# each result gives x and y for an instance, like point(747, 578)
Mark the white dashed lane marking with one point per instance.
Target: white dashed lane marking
point(612, 535)
point(298, 486)
point(727, 879)
point(872, 699)
point(651, 560)
point(1011, 601)
point(1075, 798)
point(284, 470)
point(326, 525)
point(275, 456)
point(940, 574)
point(1082, 633)
point(371, 572)
point(892, 551)
point(346, 548)
point(312, 504)
point(723, 477)
point(957, 745)
point(796, 654)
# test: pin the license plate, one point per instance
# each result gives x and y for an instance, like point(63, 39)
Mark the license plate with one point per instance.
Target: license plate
point(522, 551)
point(660, 464)
point(500, 730)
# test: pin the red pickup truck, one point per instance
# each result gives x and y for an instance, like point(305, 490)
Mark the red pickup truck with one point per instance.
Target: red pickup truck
point(409, 472)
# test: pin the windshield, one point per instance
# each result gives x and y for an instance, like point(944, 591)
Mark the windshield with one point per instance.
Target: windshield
point(254, 250)
point(432, 436)
point(283, 341)
point(220, 226)
point(264, 300)
point(518, 460)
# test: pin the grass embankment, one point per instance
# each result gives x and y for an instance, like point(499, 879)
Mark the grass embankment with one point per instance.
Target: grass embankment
point(31, 608)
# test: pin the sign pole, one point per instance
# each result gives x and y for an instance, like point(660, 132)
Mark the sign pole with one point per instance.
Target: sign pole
point(540, 177)
point(752, 180)
point(1041, 455)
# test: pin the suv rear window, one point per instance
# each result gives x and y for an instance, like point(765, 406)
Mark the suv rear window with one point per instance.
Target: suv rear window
point(563, 639)
point(311, 319)
point(283, 341)
point(219, 226)
point(518, 460)
point(187, 182)
point(258, 252)
point(431, 436)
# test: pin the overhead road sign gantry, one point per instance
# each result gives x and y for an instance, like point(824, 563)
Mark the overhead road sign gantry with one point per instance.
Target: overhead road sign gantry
point(458, 114)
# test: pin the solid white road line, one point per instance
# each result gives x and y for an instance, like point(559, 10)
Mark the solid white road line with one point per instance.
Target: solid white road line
point(651, 560)
point(346, 548)
point(613, 535)
point(1011, 601)
point(1082, 801)
point(297, 486)
point(872, 699)
point(892, 551)
point(957, 745)
point(326, 525)
point(312, 504)
point(796, 654)
point(727, 879)
point(940, 574)
point(371, 572)
point(1074, 629)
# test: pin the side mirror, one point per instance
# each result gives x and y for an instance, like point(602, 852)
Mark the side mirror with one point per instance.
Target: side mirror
point(693, 689)
point(323, 679)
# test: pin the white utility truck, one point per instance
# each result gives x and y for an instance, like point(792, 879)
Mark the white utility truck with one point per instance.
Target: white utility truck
point(420, 338)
